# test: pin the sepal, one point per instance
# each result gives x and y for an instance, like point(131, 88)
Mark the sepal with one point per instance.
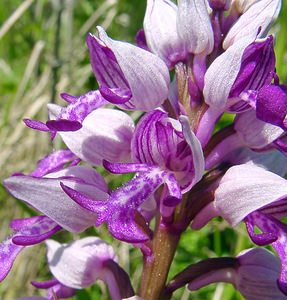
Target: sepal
point(122, 66)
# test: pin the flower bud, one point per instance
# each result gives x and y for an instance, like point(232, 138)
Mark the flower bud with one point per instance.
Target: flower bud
point(194, 26)
point(160, 31)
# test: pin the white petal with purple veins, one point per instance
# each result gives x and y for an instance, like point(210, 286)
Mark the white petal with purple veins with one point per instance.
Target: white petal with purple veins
point(46, 195)
point(220, 76)
point(259, 15)
point(247, 188)
point(146, 74)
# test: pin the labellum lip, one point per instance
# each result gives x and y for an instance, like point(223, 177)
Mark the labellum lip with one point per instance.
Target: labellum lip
point(63, 125)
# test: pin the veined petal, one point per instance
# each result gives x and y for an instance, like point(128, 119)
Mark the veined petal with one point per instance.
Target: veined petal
point(255, 133)
point(159, 141)
point(47, 196)
point(121, 65)
point(106, 134)
point(257, 67)
point(80, 263)
point(247, 188)
point(194, 26)
point(160, 31)
point(220, 76)
point(259, 15)
point(196, 149)
point(243, 5)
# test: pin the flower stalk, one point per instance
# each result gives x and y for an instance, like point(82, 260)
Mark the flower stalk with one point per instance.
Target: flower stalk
point(156, 266)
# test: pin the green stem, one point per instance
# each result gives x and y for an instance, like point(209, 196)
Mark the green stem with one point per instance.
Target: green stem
point(156, 266)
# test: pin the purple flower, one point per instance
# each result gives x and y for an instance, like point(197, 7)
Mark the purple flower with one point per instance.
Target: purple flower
point(246, 132)
point(258, 197)
point(80, 264)
point(120, 68)
point(46, 195)
point(161, 34)
point(253, 273)
point(246, 67)
point(70, 118)
point(194, 26)
point(105, 134)
point(224, 62)
point(29, 231)
point(163, 153)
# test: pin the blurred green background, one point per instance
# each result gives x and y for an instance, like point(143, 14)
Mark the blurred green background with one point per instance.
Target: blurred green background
point(43, 53)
